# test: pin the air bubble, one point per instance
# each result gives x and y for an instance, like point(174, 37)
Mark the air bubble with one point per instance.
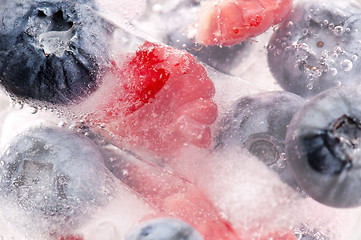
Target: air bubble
point(318, 72)
point(338, 30)
point(309, 86)
point(333, 71)
point(304, 31)
point(61, 124)
point(334, 55)
point(33, 110)
point(303, 50)
point(19, 105)
point(354, 58)
point(289, 24)
point(346, 65)
point(298, 234)
point(324, 54)
point(157, 8)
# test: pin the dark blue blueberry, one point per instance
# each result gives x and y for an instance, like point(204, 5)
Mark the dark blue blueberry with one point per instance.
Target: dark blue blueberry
point(163, 229)
point(55, 177)
point(259, 124)
point(323, 147)
point(223, 58)
point(52, 51)
point(317, 47)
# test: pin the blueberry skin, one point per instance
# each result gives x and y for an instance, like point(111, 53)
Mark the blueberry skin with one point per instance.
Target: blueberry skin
point(317, 47)
point(55, 177)
point(163, 229)
point(323, 147)
point(52, 51)
point(259, 123)
point(222, 58)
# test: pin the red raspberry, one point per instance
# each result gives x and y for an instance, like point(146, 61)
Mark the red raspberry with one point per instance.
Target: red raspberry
point(227, 22)
point(161, 100)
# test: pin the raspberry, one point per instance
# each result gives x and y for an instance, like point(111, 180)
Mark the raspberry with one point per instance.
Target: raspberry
point(227, 22)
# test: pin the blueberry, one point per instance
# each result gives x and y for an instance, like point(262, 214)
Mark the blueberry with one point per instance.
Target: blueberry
point(317, 47)
point(223, 58)
point(323, 147)
point(52, 51)
point(163, 229)
point(259, 123)
point(55, 177)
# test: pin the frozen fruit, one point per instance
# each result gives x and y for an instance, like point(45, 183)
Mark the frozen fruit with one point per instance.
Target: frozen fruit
point(224, 59)
point(163, 229)
point(54, 178)
point(226, 22)
point(323, 147)
point(317, 47)
point(161, 99)
point(52, 51)
point(177, 15)
point(171, 194)
point(259, 123)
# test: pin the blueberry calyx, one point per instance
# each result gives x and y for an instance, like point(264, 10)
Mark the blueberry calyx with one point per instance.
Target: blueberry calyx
point(51, 29)
point(330, 151)
point(266, 148)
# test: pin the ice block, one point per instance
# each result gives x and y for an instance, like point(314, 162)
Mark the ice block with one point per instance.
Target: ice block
point(119, 121)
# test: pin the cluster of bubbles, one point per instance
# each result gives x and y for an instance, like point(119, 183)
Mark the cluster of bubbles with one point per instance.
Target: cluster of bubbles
point(316, 57)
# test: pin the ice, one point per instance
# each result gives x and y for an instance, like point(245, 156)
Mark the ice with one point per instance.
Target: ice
point(110, 221)
point(171, 194)
point(178, 14)
point(116, 219)
point(244, 190)
point(253, 199)
point(227, 195)
point(120, 10)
